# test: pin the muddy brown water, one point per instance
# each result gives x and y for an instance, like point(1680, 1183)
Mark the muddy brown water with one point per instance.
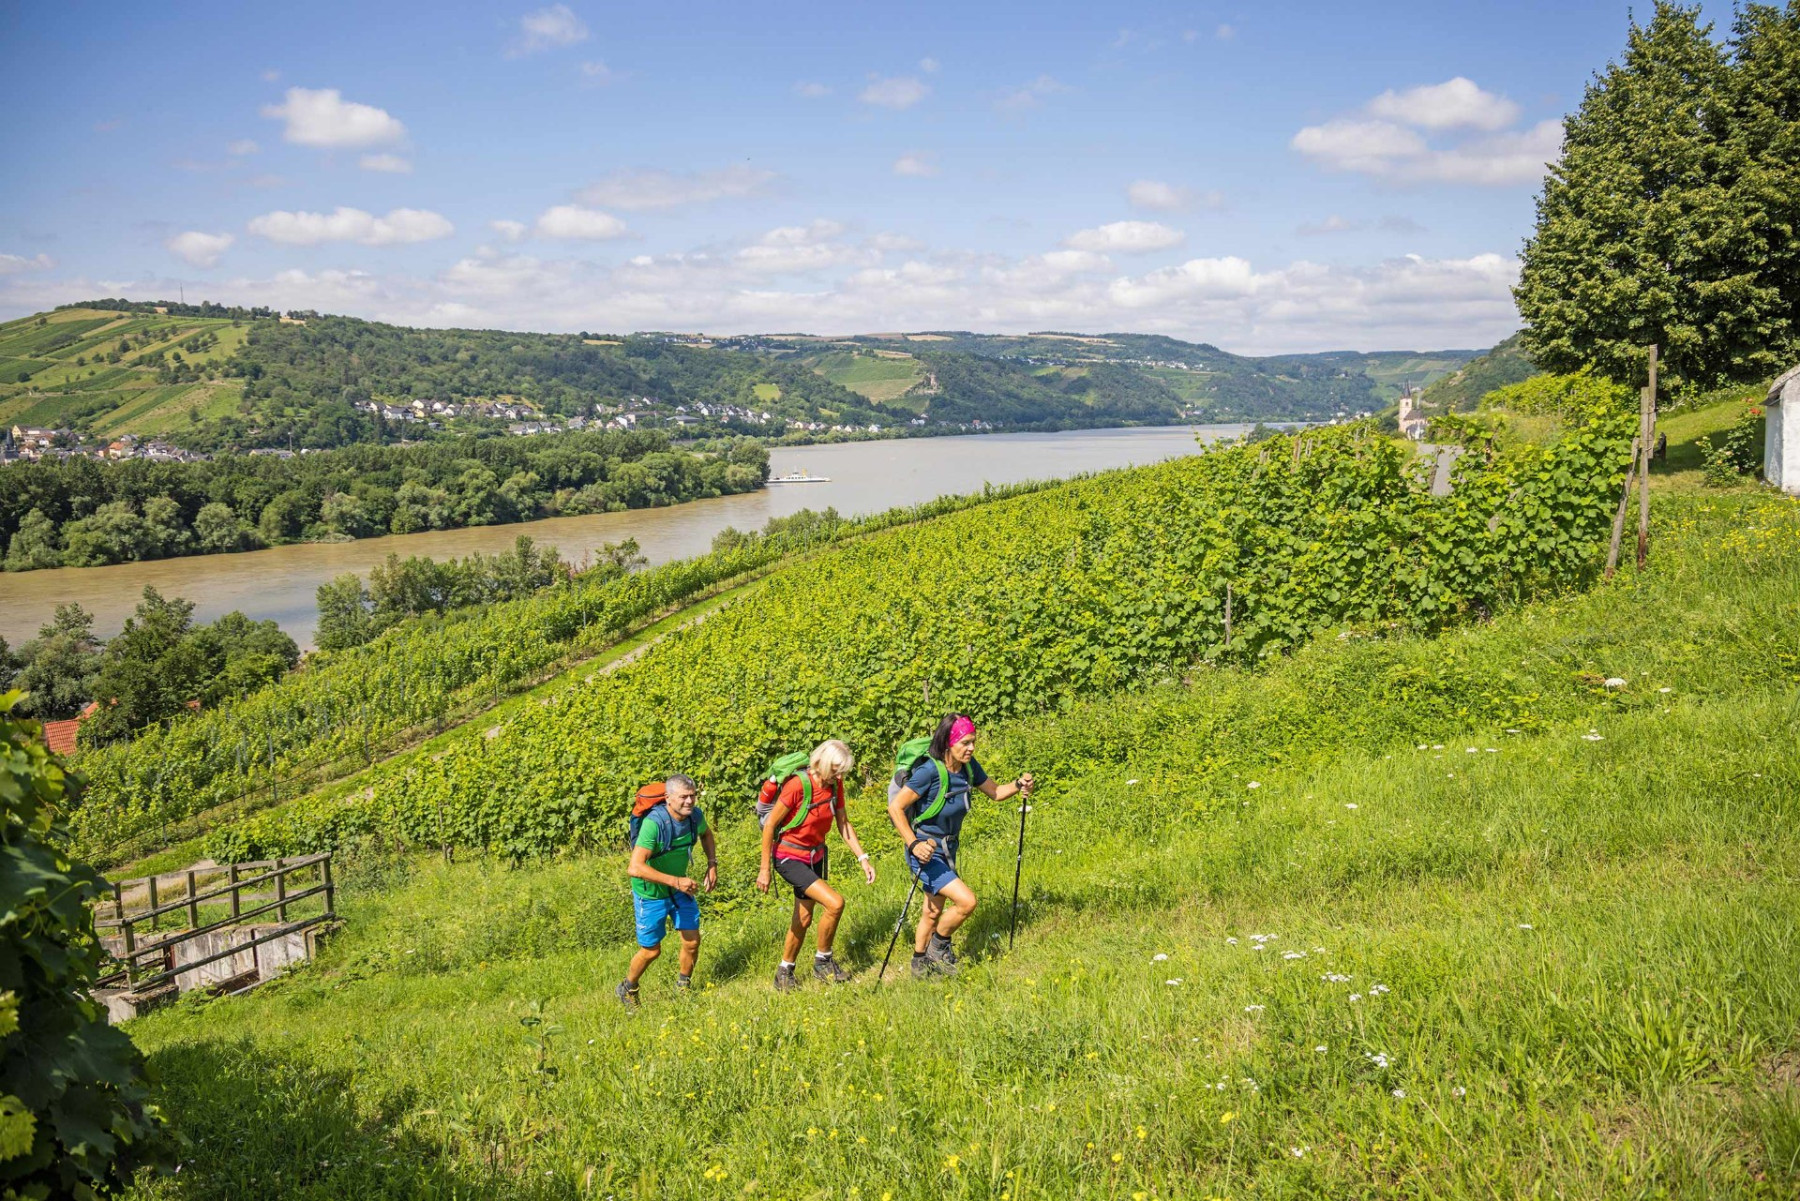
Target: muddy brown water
point(865, 477)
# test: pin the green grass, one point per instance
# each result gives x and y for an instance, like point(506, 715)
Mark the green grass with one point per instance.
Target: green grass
point(1584, 938)
point(877, 377)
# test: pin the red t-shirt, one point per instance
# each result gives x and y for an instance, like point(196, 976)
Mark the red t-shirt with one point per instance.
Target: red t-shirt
point(807, 840)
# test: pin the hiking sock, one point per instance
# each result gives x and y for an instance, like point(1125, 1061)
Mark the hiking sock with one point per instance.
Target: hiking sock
point(787, 965)
point(684, 979)
point(820, 956)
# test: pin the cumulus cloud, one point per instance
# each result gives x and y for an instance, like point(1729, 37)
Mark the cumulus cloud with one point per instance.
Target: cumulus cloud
point(351, 225)
point(809, 90)
point(897, 92)
point(646, 188)
point(242, 147)
point(572, 221)
point(1454, 103)
point(199, 249)
point(1384, 139)
point(796, 249)
point(512, 231)
point(13, 264)
point(1126, 237)
point(928, 65)
point(547, 29)
point(596, 73)
point(324, 118)
point(1162, 197)
point(915, 164)
point(392, 164)
point(1333, 224)
point(1029, 96)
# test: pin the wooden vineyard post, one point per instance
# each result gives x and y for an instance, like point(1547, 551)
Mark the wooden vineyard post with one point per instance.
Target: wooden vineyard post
point(130, 955)
point(231, 875)
point(118, 903)
point(193, 908)
point(1227, 614)
point(153, 901)
point(330, 889)
point(1646, 441)
point(280, 889)
point(1618, 530)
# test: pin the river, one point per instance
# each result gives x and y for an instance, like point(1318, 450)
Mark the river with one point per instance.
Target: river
point(865, 477)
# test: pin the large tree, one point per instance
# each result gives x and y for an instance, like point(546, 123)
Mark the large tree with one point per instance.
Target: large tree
point(1660, 224)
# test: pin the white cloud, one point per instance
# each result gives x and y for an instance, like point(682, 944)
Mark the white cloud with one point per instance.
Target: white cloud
point(597, 73)
point(199, 249)
point(1167, 198)
point(1357, 145)
point(1333, 224)
point(546, 29)
point(512, 231)
point(915, 164)
point(1383, 141)
point(351, 225)
point(808, 90)
point(575, 222)
point(1508, 158)
point(928, 65)
point(898, 92)
point(392, 164)
point(1225, 33)
point(796, 249)
point(1029, 96)
point(890, 242)
point(13, 264)
point(324, 118)
point(1454, 103)
point(242, 147)
point(647, 188)
point(1126, 237)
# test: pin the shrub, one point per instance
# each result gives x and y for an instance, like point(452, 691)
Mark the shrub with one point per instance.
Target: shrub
point(73, 1121)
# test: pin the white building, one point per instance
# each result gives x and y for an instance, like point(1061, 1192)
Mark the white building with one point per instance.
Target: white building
point(1781, 445)
point(1413, 424)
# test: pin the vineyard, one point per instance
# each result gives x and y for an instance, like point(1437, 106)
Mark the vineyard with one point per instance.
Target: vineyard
point(1018, 607)
point(342, 710)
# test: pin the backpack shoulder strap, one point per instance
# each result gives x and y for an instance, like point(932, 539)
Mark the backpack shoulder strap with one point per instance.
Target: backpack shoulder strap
point(943, 793)
point(665, 828)
point(806, 793)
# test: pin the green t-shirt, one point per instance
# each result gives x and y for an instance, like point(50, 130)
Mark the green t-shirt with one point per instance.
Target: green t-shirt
point(674, 861)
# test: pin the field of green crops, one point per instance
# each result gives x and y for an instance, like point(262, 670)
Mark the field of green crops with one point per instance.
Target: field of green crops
point(879, 377)
point(1012, 608)
point(1411, 914)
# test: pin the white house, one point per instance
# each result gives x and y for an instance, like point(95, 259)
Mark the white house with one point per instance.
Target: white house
point(1781, 445)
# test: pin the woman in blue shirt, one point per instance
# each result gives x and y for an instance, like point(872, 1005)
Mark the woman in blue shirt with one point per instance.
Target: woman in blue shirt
point(932, 841)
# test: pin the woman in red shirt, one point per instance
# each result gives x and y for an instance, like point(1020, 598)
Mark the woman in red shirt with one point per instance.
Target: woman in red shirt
point(799, 855)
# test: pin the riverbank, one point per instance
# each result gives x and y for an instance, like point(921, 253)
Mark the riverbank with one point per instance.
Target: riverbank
point(866, 477)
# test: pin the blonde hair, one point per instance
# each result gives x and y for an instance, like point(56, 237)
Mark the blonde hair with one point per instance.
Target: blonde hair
point(833, 758)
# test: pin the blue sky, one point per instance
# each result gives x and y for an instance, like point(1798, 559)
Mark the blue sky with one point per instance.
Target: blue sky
point(1267, 177)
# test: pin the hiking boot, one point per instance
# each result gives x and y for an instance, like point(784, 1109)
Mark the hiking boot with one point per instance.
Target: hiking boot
point(829, 970)
point(941, 955)
point(627, 993)
point(784, 979)
point(921, 966)
point(683, 984)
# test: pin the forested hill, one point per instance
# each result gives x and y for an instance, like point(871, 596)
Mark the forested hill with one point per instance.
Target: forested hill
point(209, 378)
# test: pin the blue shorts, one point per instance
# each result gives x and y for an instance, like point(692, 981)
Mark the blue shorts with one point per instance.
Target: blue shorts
point(654, 914)
point(936, 875)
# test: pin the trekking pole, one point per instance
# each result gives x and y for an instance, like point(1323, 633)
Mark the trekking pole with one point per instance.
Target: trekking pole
point(1018, 867)
point(896, 938)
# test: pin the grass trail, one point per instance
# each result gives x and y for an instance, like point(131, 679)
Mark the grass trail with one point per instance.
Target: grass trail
point(1395, 917)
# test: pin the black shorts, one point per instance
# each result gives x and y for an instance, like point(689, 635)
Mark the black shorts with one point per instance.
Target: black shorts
point(802, 875)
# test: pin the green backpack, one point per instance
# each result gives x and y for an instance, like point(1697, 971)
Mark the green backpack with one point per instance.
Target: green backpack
point(784, 768)
point(913, 752)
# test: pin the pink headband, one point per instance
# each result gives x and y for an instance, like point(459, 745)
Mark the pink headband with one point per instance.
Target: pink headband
point(960, 729)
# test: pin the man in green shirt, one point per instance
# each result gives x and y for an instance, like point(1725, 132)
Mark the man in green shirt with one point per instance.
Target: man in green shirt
point(661, 890)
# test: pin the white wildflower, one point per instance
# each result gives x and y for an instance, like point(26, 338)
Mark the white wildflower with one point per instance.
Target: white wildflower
point(1615, 682)
point(1231, 942)
point(1253, 1009)
point(1350, 805)
point(1355, 997)
point(1158, 958)
point(1399, 1094)
point(1321, 1048)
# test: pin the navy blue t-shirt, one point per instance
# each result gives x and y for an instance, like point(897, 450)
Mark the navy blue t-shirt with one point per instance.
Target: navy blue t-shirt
point(946, 825)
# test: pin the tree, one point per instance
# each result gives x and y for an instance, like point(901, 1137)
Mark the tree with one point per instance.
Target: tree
point(152, 669)
point(218, 529)
point(73, 1117)
point(34, 545)
point(113, 533)
point(61, 665)
point(346, 615)
point(1656, 225)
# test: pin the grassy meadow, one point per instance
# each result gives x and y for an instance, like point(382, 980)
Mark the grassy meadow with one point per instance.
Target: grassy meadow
point(1395, 916)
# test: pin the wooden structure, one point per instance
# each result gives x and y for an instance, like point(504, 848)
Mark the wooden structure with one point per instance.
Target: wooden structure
point(199, 928)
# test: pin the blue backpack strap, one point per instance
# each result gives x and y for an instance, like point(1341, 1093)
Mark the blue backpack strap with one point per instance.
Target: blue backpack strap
point(665, 828)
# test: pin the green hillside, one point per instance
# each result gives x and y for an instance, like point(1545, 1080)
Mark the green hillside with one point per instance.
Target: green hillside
point(109, 372)
point(1462, 389)
point(1387, 916)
